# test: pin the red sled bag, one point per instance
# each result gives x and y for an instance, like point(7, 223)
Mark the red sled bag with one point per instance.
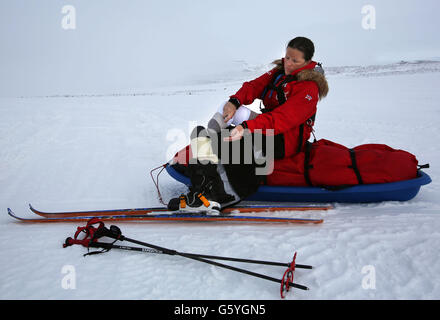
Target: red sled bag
point(333, 166)
point(328, 164)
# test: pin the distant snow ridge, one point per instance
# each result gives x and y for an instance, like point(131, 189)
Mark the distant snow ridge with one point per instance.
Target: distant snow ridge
point(402, 67)
point(244, 72)
point(131, 94)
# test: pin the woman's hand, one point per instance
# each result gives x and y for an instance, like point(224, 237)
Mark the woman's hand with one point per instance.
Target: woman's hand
point(236, 134)
point(228, 111)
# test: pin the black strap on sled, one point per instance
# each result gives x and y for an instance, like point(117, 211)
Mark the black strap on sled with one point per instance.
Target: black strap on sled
point(307, 165)
point(310, 123)
point(354, 166)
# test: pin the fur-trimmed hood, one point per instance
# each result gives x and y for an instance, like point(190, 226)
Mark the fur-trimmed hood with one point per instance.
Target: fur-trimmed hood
point(312, 72)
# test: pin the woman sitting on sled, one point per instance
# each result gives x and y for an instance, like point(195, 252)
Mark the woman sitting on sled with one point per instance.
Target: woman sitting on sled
point(290, 93)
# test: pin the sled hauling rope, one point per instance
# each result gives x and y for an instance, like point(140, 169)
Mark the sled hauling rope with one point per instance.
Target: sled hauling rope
point(95, 229)
point(156, 182)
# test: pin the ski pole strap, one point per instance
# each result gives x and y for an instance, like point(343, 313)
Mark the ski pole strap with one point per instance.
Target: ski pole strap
point(94, 230)
point(104, 246)
point(114, 232)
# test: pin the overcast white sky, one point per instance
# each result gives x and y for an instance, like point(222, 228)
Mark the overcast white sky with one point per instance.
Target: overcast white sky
point(123, 46)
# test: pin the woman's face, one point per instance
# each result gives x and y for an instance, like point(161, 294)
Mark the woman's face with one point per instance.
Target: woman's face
point(293, 60)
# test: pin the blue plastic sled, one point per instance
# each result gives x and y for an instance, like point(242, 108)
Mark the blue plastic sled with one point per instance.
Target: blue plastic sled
point(393, 191)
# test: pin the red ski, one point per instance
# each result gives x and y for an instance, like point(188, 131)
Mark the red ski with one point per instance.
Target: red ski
point(145, 211)
point(171, 216)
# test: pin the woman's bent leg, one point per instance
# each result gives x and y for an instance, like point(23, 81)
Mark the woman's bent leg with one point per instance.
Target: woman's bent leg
point(217, 122)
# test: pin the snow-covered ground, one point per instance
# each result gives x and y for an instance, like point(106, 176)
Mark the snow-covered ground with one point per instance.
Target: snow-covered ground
point(83, 152)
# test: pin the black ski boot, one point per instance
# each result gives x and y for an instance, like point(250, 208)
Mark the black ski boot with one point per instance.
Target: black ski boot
point(207, 193)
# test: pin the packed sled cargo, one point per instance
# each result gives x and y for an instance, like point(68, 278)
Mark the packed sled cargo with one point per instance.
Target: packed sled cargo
point(329, 172)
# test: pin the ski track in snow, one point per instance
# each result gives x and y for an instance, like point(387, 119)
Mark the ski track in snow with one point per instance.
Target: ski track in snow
point(65, 153)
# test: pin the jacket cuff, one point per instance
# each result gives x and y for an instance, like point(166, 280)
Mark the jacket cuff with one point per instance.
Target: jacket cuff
point(248, 124)
point(235, 102)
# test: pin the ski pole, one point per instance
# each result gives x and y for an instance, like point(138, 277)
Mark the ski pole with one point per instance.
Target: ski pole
point(285, 282)
point(109, 246)
point(174, 252)
point(94, 233)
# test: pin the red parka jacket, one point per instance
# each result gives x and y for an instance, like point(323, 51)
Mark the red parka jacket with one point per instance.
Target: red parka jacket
point(290, 118)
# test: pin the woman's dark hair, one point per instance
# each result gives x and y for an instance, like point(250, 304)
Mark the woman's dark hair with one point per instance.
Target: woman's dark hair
point(304, 45)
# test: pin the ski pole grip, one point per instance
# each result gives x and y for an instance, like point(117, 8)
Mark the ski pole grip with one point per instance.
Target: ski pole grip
point(68, 242)
point(115, 232)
